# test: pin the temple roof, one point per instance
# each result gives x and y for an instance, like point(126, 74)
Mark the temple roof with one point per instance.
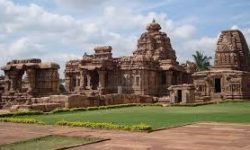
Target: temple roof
point(153, 26)
point(232, 51)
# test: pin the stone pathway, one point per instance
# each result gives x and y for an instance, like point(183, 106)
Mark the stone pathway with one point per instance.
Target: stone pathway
point(200, 136)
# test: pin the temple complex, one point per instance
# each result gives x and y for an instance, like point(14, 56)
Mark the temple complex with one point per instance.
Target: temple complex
point(149, 71)
point(230, 76)
point(151, 74)
point(25, 79)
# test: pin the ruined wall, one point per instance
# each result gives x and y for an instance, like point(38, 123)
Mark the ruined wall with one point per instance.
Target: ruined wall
point(79, 101)
point(29, 78)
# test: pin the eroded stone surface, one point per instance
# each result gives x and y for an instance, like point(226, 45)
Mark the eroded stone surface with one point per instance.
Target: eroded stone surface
point(149, 71)
point(230, 76)
point(29, 78)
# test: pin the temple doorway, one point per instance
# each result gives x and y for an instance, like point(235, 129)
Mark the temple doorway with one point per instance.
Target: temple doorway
point(217, 85)
point(94, 80)
point(179, 96)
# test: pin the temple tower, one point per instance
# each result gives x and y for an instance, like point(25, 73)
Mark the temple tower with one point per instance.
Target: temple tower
point(154, 43)
point(232, 51)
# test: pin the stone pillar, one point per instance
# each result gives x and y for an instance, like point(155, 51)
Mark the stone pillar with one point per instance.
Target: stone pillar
point(55, 81)
point(7, 85)
point(88, 81)
point(31, 78)
point(169, 75)
point(83, 75)
point(13, 80)
point(102, 75)
point(67, 82)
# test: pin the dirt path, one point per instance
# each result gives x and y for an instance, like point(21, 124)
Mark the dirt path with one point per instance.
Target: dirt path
point(201, 136)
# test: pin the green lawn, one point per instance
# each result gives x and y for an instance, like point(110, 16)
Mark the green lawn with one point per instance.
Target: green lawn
point(50, 142)
point(158, 117)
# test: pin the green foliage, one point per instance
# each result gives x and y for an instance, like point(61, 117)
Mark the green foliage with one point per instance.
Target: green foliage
point(20, 120)
point(78, 109)
point(206, 103)
point(151, 104)
point(92, 108)
point(137, 127)
point(201, 61)
point(50, 142)
point(60, 110)
point(159, 117)
point(25, 113)
point(233, 111)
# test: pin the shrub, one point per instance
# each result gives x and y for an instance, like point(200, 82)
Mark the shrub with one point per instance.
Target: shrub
point(20, 120)
point(137, 127)
point(92, 108)
point(103, 107)
point(25, 113)
point(78, 109)
point(60, 110)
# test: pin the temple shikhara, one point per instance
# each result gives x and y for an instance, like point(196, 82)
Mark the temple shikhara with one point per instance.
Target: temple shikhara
point(149, 71)
point(229, 77)
point(151, 74)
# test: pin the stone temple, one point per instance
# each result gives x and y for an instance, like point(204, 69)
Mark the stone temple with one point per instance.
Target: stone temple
point(149, 71)
point(25, 79)
point(151, 74)
point(229, 78)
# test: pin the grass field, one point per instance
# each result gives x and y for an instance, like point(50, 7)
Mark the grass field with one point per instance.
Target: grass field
point(158, 117)
point(49, 143)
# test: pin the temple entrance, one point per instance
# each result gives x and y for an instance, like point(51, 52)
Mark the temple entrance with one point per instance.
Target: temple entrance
point(217, 85)
point(179, 96)
point(24, 82)
point(94, 80)
point(175, 78)
point(163, 78)
point(73, 84)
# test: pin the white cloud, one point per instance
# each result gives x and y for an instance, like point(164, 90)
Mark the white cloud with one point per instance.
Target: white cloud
point(23, 46)
point(187, 47)
point(81, 4)
point(234, 27)
point(31, 31)
point(184, 31)
point(205, 44)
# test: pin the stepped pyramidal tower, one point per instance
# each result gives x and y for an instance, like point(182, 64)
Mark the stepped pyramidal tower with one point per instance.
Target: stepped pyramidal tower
point(151, 69)
point(230, 76)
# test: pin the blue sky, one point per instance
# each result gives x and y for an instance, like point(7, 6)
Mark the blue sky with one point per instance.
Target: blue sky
point(60, 30)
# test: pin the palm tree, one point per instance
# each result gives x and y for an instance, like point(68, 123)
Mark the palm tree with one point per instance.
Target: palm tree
point(201, 61)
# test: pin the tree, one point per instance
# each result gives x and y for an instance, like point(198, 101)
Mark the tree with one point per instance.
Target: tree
point(201, 61)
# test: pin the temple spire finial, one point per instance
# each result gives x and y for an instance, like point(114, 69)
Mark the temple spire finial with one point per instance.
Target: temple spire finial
point(153, 20)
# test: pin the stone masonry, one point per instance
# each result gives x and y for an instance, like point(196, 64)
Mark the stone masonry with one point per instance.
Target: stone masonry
point(149, 71)
point(29, 78)
point(230, 76)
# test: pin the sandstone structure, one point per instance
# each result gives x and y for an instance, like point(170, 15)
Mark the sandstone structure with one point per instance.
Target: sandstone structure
point(25, 79)
point(149, 71)
point(230, 76)
point(184, 93)
point(1, 90)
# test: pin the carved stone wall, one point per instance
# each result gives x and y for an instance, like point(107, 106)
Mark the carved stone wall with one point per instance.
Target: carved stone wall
point(149, 71)
point(230, 77)
point(183, 93)
point(232, 51)
point(155, 44)
point(29, 78)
